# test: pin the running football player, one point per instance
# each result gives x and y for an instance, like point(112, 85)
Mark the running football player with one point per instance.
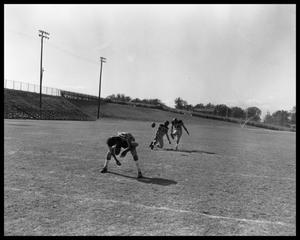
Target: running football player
point(160, 133)
point(176, 130)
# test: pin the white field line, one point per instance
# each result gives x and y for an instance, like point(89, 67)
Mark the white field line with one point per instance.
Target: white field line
point(257, 176)
point(13, 189)
point(162, 208)
point(192, 212)
point(230, 173)
point(10, 152)
point(7, 138)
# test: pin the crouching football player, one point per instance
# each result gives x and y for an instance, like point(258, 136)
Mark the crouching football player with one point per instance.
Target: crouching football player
point(116, 143)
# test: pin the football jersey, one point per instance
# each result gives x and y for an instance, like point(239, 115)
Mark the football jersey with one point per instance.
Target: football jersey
point(162, 130)
point(177, 124)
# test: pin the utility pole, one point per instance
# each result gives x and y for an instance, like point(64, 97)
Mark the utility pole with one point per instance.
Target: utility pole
point(102, 59)
point(42, 34)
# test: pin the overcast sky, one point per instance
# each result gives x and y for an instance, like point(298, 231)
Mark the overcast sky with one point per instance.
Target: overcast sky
point(238, 55)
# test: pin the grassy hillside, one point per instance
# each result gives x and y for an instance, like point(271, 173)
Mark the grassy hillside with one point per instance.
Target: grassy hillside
point(123, 111)
point(26, 105)
point(131, 112)
point(20, 104)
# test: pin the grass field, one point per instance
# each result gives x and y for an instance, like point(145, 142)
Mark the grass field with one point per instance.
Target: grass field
point(224, 180)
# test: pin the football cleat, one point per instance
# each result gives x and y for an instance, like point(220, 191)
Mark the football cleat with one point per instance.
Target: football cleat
point(118, 163)
point(139, 175)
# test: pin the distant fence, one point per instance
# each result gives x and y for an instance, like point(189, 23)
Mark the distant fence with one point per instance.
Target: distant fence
point(77, 96)
point(22, 86)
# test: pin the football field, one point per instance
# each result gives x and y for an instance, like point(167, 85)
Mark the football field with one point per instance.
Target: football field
point(223, 180)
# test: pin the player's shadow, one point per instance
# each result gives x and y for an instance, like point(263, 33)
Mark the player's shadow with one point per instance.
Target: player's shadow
point(186, 151)
point(158, 181)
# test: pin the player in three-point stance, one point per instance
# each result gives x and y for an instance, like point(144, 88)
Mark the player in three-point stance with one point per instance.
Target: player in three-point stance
point(115, 143)
point(176, 130)
point(160, 133)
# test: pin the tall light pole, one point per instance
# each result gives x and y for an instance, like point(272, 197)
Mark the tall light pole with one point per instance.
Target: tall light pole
point(102, 60)
point(42, 34)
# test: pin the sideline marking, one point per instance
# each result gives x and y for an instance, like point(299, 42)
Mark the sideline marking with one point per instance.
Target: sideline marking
point(257, 176)
point(79, 197)
point(11, 152)
point(187, 211)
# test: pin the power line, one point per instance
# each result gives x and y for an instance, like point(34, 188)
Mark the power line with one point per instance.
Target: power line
point(22, 34)
point(74, 55)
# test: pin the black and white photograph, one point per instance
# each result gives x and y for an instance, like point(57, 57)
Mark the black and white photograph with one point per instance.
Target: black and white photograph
point(149, 119)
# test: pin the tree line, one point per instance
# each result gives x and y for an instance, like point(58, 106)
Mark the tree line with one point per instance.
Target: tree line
point(280, 117)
